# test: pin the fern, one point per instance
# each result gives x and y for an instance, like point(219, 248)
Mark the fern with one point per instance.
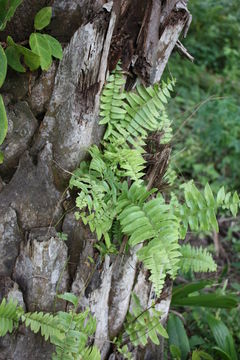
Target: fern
point(68, 331)
point(112, 102)
point(9, 316)
point(151, 221)
point(196, 259)
point(97, 196)
point(143, 324)
point(47, 324)
point(130, 162)
point(200, 209)
point(112, 185)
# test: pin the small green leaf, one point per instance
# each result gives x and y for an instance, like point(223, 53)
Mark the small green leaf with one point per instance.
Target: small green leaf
point(221, 196)
point(31, 59)
point(3, 121)
point(13, 59)
point(55, 46)
point(209, 195)
point(43, 18)
point(3, 66)
point(69, 297)
point(1, 157)
point(40, 46)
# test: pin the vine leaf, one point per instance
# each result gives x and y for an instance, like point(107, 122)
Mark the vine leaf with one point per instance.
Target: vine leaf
point(43, 18)
point(3, 66)
point(14, 59)
point(31, 59)
point(40, 46)
point(7, 10)
point(55, 46)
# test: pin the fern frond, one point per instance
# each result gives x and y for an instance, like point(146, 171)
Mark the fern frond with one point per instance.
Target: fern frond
point(151, 221)
point(129, 161)
point(143, 324)
point(196, 259)
point(200, 209)
point(133, 115)
point(91, 353)
point(143, 111)
point(165, 126)
point(112, 109)
point(10, 314)
point(117, 234)
point(76, 330)
point(47, 324)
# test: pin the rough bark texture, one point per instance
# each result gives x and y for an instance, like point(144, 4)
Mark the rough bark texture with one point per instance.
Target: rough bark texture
point(53, 119)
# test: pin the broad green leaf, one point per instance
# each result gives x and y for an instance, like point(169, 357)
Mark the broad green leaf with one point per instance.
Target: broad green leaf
point(69, 297)
point(55, 46)
point(3, 121)
point(13, 59)
point(222, 337)
point(7, 10)
point(43, 18)
point(181, 291)
point(40, 46)
point(3, 66)
point(223, 354)
point(178, 336)
point(207, 300)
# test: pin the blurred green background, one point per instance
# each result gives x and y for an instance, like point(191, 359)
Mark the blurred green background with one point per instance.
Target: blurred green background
point(206, 106)
point(205, 113)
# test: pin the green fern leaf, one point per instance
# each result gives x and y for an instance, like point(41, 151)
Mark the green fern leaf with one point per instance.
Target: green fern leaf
point(196, 259)
point(10, 313)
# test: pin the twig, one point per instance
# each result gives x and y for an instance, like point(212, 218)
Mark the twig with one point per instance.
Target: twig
point(181, 48)
point(216, 243)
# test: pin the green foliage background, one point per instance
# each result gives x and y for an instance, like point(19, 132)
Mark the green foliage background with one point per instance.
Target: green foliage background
point(206, 111)
point(206, 119)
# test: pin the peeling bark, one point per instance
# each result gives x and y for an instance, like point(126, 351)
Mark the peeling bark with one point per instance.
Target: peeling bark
point(63, 107)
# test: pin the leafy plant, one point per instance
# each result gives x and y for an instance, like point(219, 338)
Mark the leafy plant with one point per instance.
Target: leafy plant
point(182, 295)
point(177, 337)
point(113, 186)
point(68, 331)
point(143, 324)
point(223, 338)
point(42, 48)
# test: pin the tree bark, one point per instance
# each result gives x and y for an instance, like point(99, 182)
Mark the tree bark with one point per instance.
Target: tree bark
point(53, 119)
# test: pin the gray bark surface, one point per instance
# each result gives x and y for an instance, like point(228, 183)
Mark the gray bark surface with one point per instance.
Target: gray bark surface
point(53, 119)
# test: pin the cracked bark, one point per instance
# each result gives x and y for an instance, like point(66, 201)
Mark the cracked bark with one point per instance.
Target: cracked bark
point(33, 196)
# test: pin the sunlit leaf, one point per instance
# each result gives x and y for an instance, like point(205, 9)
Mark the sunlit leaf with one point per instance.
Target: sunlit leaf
point(43, 18)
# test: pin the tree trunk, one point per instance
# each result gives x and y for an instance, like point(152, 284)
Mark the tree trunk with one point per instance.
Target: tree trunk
point(53, 119)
